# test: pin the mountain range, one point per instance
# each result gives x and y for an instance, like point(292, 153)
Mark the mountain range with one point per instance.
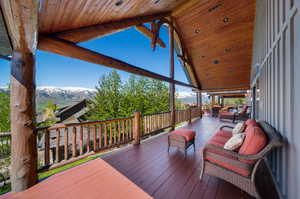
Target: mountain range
point(70, 95)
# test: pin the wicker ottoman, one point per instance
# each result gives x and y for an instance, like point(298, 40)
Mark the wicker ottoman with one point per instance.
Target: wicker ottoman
point(182, 138)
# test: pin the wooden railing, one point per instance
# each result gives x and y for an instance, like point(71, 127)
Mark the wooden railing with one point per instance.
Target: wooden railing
point(153, 123)
point(63, 143)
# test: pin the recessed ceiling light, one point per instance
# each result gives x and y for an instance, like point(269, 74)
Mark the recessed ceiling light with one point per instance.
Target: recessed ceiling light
point(197, 31)
point(226, 19)
point(216, 61)
point(227, 50)
point(119, 2)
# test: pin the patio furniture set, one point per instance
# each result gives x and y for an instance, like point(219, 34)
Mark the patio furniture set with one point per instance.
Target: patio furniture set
point(238, 166)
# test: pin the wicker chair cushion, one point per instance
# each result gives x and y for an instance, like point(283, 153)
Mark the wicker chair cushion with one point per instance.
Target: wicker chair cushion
point(188, 134)
point(254, 142)
point(220, 141)
point(224, 133)
point(227, 114)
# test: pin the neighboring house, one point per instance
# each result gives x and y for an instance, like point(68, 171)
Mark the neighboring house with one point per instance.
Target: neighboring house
point(68, 114)
point(73, 113)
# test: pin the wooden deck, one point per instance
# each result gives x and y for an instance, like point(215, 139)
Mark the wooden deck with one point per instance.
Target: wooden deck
point(171, 175)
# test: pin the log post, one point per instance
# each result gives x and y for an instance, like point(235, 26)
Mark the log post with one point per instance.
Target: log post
point(172, 85)
point(213, 101)
point(24, 146)
point(137, 128)
point(21, 19)
point(200, 103)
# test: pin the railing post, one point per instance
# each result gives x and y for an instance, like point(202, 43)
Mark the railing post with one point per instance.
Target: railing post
point(137, 128)
point(190, 115)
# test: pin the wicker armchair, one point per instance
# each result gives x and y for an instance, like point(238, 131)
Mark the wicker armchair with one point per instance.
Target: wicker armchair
point(242, 115)
point(246, 183)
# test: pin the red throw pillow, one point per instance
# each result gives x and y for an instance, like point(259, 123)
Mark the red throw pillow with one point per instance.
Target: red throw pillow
point(251, 122)
point(254, 142)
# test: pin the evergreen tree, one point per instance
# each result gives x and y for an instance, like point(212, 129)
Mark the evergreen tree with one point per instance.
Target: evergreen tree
point(114, 99)
point(4, 112)
point(106, 104)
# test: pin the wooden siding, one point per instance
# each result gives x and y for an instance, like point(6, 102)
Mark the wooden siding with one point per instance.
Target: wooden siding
point(273, 72)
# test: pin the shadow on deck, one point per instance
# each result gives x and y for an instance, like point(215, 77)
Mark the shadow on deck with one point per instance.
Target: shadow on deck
point(171, 175)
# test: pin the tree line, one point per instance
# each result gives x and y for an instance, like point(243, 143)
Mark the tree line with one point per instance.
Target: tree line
point(116, 99)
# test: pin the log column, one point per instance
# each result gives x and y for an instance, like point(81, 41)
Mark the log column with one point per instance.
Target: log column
point(24, 146)
point(21, 17)
point(213, 101)
point(172, 74)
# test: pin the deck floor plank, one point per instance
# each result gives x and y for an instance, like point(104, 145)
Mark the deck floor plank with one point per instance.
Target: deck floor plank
point(172, 175)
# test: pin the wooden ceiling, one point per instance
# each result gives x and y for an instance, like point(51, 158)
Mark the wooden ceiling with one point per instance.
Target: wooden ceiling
point(218, 38)
point(60, 15)
point(216, 35)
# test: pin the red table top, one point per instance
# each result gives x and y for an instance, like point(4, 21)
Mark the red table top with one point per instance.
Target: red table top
point(95, 179)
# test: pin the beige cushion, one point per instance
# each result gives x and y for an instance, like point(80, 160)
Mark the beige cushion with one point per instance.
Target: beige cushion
point(239, 128)
point(235, 141)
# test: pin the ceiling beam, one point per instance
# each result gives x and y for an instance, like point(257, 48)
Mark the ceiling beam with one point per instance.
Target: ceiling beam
point(69, 49)
point(225, 89)
point(99, 30)
point(5, 58)
point(148, 33)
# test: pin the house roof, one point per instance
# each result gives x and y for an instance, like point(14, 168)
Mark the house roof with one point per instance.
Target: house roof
point(213, 36)
point(76, 110)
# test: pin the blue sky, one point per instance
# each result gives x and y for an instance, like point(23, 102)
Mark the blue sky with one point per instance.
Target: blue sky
point(129, 46)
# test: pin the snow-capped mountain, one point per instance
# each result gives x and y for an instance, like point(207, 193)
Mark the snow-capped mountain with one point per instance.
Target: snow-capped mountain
point(69, 95)
point(60, 95)
point(63, 95)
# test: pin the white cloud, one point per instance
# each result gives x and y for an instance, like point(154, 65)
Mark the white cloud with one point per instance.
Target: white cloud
point(185, 94)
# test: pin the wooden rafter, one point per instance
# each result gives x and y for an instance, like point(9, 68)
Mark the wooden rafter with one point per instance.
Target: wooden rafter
point(95, 31)
point(148, 33)
point(5, 58)
point(69, 49)
point(179, 40)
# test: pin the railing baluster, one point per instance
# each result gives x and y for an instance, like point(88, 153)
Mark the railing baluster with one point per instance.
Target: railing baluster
point(115, 132)
point(100, 136)
point(105, 135)
point(66, 142)
point(88, 139)
point(123, 131)
point(47, 147)
point(74, 142)
point(110, 134)
point(95, 138)
point(119, 131)
point(81, 140)
point(57, 145)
